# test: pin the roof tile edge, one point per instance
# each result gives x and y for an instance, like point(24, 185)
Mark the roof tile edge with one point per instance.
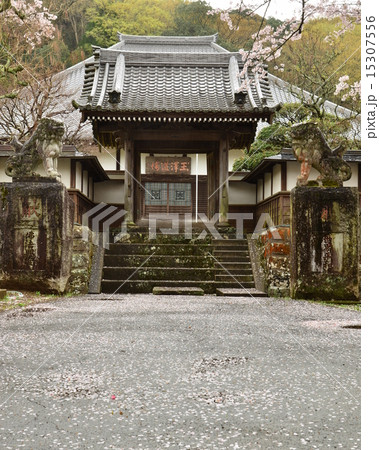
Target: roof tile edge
point(164, 39)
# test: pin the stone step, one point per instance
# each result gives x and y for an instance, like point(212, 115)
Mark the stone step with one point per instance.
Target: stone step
point(146, 286)
point(185, 290)
point(175, 273)
point(233, 271)
point(227, 253)
point(229, 242)
point(196, 228)
point(239, 292)
point(234, 265)
point(176, 263)
point(158, 260)
point(146, 238)
point(159, 273)
point(231, 258)
point(158, 249)
point(231, 248)
point(173, 261)
point(234, 277)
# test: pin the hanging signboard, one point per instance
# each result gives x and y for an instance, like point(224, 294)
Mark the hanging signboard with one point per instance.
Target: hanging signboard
point(168, 165)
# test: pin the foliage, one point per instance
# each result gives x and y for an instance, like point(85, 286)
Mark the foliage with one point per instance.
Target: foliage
point(25, 26)
point(271, 38)
point(312, 64)
point(273, 138)
point(191, 19)
point(107, 17)
point(71, 25)
point(47, 97)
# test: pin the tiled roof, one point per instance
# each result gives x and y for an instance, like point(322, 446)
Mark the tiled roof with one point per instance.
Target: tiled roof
point(286, 154)
point(170, 75)
point(194, 74)
point(169, 44)
point(284, 92)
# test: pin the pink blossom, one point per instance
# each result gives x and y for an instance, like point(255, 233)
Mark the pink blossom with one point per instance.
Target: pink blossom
point(267, 43)
point(353, 91)
point(36, 22)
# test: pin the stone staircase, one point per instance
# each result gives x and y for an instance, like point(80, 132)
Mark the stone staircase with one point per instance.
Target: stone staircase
point(176, 263)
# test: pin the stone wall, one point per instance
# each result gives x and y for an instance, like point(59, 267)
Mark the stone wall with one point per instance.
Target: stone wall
point(270, 260)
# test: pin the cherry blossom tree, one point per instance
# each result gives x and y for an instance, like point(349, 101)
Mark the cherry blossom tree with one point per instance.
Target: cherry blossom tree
point(25, 25)
point(269, 41)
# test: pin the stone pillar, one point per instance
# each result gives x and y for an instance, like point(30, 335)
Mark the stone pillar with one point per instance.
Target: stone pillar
point(36, 234)
point(223, 182)
point(82, 254)
point(129, 181)
point(325, 243)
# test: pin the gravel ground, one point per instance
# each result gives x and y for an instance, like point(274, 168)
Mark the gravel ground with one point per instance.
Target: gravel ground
point(154, 372)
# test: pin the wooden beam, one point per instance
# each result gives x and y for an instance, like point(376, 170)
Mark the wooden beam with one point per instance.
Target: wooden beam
point(176, 135)
point(211, 175)
point(73, 174)
point(129, 181)
point(284, 176)
point(173, 146)
point(223, 181)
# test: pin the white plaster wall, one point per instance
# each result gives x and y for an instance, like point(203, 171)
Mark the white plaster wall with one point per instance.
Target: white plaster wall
point(78, 175)
point(64, 168)
point(353, 182)
point(109, 192)
point(277, 179)
point(233, 155)
point(85, 182)
point(293, 171)
point(267, 190)
point(122, 160)
point(242, 193)
point(143, 163)
point(202, 162)
point(259, 191)
point(3, 177)
point(107, 159)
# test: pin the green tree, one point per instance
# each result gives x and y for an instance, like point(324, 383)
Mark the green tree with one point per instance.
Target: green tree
point(25, 27)
point(316, 62)
point(71, 19)
point(273, 138)
point(138, 17)
point(191, 19)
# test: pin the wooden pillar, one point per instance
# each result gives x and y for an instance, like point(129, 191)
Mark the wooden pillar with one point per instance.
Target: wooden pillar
point(137, 186)
point(129, 180)
point(211, 176)
point(223, 181)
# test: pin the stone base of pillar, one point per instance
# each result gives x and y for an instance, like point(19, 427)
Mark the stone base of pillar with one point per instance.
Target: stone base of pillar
point(325, 243)
point(36, 235)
